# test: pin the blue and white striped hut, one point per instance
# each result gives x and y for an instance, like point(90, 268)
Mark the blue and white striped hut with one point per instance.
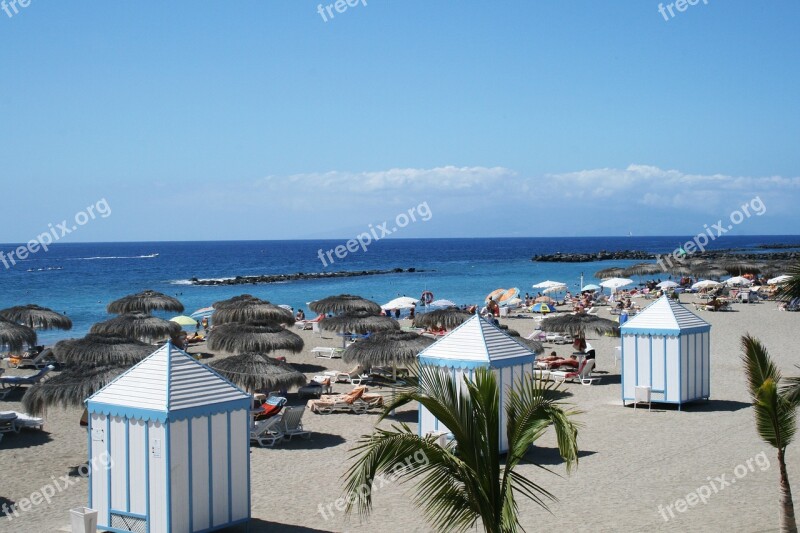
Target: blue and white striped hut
point(477, 343)
point(175, 435)
point(666, 347)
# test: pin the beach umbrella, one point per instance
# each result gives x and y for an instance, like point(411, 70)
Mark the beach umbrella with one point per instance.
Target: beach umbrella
point(447, 318)
point(739, 266)
point(555, 288)
point(738, 281)
point(140, 326)
point(184, 320)
point(705, 285)
point(615, 283)
point(642, 269)
point(578, 324)
point(536, 347)
point(591, 287)
point(200, 314)
point(542, 307)
point(359, 322)
point(668, 284)
point(254, 371)
point(494, 295)
point(36, 317)
point(548, 284)
point(404, 302)
point(250, 309)
point(610, 272)
point(344, 303)
point(70, 387)
point(101, 349)
point(253, 337)
point(144, 302)
point(386, 348)
point(442, 303)
point(14, 336)
point(780, 279)
point(507, 296)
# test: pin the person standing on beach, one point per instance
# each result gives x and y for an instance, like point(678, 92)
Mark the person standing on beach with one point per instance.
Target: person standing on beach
point(205, 324)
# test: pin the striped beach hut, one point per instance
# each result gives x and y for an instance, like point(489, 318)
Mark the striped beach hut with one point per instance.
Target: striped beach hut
point(667, 348)
point(169, 448)
point(477, 343)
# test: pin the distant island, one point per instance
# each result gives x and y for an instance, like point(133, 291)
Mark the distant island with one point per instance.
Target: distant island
point(277, 278)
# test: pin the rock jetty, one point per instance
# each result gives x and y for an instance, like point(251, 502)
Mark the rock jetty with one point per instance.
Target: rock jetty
point(603, 255)
point(277, 278)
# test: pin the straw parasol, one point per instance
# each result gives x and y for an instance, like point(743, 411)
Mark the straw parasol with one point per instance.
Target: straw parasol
point(253, 337)
point(359, 322)
point(101, 349)
point(70, 387)
point(578, 324)
point(642, 269)
point(344, 303)
point(386, 348)
point(736, 266)
point(248, 308)
point(36, 317)
point(144, 302)
point(610, 272)
point(534, 346)
point(254, 371)
point(15, 336)
point(140, 326)
point(446, 318)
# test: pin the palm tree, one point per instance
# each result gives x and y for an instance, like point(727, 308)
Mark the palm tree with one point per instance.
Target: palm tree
point(791, 288)
point(464, 480)
point(775, 414)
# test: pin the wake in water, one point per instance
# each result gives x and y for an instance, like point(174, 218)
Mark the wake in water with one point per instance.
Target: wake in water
point(148, 256)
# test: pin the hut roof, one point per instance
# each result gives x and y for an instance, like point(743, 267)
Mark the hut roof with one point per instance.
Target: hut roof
point(477, 343)
point(664, 317)
point(168, 384)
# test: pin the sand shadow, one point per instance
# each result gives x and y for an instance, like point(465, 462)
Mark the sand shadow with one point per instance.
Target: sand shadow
point(318, 441)
point(262, 526)
point(25, 439)
point(545, 456)
point(407, 416)
point(698, 406)
point(308, 368)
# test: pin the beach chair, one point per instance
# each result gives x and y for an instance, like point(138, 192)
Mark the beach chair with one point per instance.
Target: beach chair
point(354, 377)
point(7, 423)
point(351, 402)
point(37, 361)
point(583, 375)
point(318, 386)
point(266, 432)
point(271, 407)
point(22, 420)
point(326, 352)
point(319, 331)
point(10, 383)
point(291, 423)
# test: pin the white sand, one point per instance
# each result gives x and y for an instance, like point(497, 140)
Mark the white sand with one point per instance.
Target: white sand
point(631, 462)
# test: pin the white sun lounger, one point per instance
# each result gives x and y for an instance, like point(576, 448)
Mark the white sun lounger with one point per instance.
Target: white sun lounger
point(291, 423)
point(583, 375)
point(267, 432)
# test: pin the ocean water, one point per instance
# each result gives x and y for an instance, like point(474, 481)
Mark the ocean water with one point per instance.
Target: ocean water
point(80, 279)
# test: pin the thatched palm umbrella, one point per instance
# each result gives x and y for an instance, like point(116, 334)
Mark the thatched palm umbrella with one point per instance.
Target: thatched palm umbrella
point(736, 266)
point(15, 336)
point(70, 387)
point(101, 349)
point(578, 324)
point(248, 309)
point(144, 302)
point(140, 326)
point(610, 272)
point(36, 317)
point(253, 371)
point(641, 269)
point(345, 303)
point(534, 346)
point(447, 318)
point(386, 348)
point(359, 322)
point(253, 337)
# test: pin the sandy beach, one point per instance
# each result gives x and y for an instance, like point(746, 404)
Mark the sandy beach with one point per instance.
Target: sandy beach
point(631, 462)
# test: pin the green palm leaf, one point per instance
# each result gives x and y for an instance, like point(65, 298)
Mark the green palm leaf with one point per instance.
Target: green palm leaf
point(790, 289)
point(464, 482)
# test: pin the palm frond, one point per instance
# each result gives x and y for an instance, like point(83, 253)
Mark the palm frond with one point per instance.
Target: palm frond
point(790, 289)
point(758, 365)
point(791, 390)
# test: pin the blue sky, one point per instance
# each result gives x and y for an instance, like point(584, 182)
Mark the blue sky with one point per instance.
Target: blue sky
point(259, 120)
